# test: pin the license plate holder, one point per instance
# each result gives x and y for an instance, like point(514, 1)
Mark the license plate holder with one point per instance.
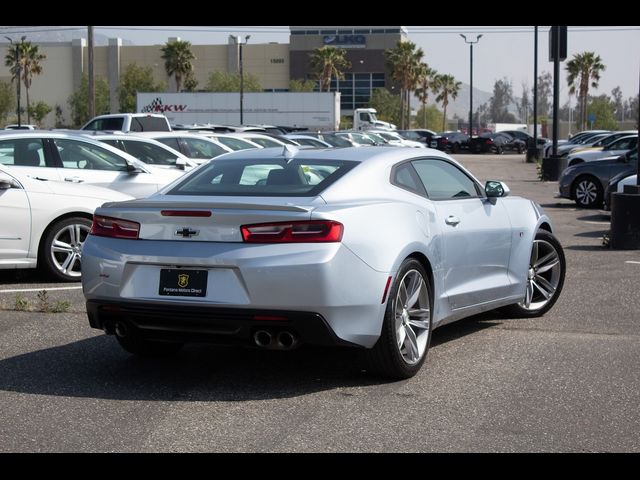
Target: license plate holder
point(176, 282)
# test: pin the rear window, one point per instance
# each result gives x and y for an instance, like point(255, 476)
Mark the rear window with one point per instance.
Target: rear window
point(149, 124)
point(111, 123)
point(263, 178)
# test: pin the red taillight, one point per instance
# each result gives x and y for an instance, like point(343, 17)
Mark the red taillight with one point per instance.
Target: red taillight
point(293, 232)
point(114, 227)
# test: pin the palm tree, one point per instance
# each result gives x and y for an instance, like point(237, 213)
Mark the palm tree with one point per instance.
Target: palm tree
point(584, 71)
point(426, 83)
point(31, 66)
point(404, 62)
point(448, 87)
point(329, 62)
point(177, 56)
point(29, 58)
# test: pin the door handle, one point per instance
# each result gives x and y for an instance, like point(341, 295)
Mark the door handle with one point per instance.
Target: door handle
point(73, 180)
point(451, 220)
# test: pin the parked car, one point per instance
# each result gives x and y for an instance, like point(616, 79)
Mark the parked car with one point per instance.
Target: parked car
point(617, 147)
point(44, 223)
point(129, 122)
point(364, 247)
point(427, 137)
point(22, 126)
point(496, 143)
point(196, 147)
point(307, 140)
point(146, 150)
point(585, 182)
point(453, 141)
point(616, 184)
point(332, 139)
point(75, 158)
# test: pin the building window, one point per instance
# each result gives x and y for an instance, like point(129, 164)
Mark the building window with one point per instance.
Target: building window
point(355, 89)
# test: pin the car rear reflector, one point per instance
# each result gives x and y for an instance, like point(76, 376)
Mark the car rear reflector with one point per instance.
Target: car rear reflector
point(185, 213)
point(114, 227)
point(293, 232)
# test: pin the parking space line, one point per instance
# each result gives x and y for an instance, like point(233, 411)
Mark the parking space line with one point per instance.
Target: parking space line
point(39, 289)
point(633, 262)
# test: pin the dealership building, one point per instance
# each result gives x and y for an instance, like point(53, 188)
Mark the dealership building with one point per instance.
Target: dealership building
point(274, 64)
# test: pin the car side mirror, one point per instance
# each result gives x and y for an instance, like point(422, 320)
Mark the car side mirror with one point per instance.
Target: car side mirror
point(181, 163)
point(132, 169)
point(496, 189)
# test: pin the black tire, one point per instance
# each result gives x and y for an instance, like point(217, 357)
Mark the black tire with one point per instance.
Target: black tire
point(545, 277)
point(519, 148)
point(587, 192)
point(61, 246)
point(141, 347)
point(387, 358)
point(455, 148)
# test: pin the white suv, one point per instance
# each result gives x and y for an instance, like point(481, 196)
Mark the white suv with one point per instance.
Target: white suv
point(129, 122)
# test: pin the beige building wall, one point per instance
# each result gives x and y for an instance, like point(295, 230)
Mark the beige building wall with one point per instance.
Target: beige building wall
point(53, 86)
point(66, 62)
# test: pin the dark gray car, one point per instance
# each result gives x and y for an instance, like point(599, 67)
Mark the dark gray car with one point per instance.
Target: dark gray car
point(585, 183)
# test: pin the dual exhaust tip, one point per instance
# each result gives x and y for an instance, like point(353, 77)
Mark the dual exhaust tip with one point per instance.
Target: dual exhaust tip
point(282, 340)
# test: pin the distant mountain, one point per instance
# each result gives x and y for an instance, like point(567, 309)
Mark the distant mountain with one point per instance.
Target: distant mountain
point(64, 36)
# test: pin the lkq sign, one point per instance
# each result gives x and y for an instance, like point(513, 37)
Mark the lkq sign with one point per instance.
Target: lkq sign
point(345, 41)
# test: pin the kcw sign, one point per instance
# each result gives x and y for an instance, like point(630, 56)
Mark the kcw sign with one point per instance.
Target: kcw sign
point(156, 106)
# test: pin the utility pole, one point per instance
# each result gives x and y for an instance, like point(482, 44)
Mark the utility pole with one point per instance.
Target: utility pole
point(471, 43)
point(92, 100)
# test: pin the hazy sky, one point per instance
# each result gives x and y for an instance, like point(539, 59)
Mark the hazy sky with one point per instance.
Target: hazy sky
point(502, 51)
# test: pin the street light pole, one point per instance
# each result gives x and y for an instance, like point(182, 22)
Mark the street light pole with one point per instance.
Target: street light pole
point(18, 74)
point(238, 40)
point(471, 43)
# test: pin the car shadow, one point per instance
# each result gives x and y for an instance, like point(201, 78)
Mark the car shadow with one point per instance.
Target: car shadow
point(98, 368)
point(25, 276)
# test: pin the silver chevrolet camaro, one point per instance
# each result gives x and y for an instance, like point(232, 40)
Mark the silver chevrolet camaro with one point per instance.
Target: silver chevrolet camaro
point(276, 248)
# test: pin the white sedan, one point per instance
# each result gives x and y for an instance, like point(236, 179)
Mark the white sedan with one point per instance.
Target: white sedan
point(75, 158)
point(44, 223)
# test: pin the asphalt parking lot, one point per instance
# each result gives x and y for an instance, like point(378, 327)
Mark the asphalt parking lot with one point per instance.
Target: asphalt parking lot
point(566, 382)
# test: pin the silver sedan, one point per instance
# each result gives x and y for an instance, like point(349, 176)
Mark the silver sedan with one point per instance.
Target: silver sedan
point(361, 247)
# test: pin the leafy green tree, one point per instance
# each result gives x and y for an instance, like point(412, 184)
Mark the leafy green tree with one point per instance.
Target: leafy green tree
point(79, 100)
point(616, 93)
point(387, 105)
point(426, 84)
point(329, 62)
point(448, 88)
point(190, 82)
point(177, 56)
point(296, 85)
point(429, 117)
point(545, 93)
point(403, 61)
point(500, 100)
point(524, 104)
point(30, 60)
point(7, 100)
point(604, 111)
point(583, 71)
point(136, 79)
point(230, 82)
point(38, 111)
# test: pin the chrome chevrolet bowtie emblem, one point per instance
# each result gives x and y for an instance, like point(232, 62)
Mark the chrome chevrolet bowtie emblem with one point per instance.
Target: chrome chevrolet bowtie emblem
point(186, 232)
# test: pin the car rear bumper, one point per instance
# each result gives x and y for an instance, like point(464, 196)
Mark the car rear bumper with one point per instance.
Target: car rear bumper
point(210, 324)
point(324, 280)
